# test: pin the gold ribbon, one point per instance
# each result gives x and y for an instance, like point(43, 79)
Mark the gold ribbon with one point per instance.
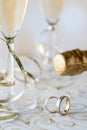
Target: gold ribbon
point(3, 76)
point(24, 72)
point(35, 61)
point(10, 114)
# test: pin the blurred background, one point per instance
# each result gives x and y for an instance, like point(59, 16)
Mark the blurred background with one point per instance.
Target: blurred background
point(71, 29)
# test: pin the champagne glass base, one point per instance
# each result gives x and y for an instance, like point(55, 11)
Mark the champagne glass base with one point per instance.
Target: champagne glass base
point(15, 99)
point(50, 79)
point(24, 105)
point(26, 102)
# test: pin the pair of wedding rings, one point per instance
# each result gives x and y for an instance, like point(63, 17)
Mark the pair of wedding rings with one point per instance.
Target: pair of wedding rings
point(59, 105)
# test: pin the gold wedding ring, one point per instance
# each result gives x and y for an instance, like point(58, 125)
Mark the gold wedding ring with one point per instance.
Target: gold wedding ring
point(47, 102)
point(59, 105)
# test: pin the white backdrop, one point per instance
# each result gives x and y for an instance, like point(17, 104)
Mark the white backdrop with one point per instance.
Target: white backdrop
point(72, 28)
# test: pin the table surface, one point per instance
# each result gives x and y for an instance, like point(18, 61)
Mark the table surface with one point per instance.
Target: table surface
point(41, 119)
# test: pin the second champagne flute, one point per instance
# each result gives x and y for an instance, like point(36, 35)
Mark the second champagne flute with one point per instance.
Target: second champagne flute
point(47, 45)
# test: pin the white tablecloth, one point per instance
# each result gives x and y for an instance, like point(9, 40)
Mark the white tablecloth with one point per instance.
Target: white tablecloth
point(41, 119)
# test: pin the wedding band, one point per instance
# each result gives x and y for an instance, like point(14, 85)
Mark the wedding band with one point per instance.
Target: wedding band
point(59, 103)
point(46, 105)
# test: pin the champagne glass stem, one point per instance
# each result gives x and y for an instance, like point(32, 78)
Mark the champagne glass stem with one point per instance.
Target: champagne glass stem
point(10, 63)
point(51, 28)
point(10, 59)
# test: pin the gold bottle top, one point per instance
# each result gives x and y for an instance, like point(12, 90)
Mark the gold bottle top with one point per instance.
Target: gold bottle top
point(70, 62)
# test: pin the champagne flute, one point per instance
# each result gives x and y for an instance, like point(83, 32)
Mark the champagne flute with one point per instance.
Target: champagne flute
point(47, 45)
point(46, 41)
point(12, 13)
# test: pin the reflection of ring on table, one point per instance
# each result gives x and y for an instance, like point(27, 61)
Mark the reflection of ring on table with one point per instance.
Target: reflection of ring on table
point(58, 105)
